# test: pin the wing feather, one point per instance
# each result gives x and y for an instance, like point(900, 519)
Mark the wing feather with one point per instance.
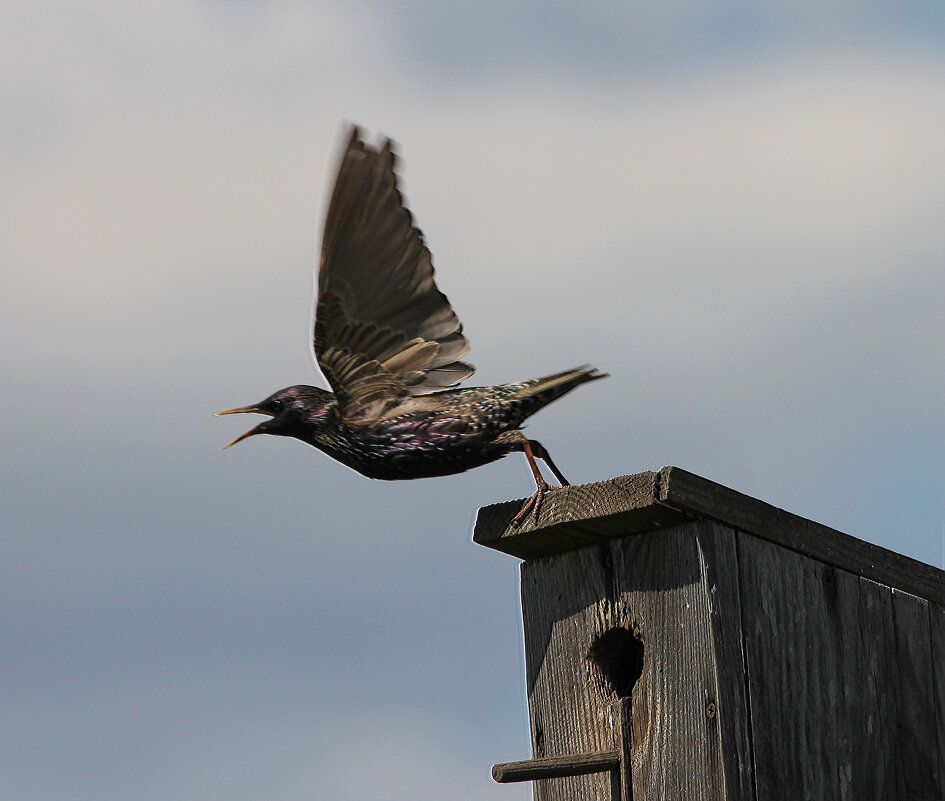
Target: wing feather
point(383, 330)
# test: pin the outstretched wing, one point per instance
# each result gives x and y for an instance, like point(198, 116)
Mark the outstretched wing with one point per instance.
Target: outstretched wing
point(383, 331)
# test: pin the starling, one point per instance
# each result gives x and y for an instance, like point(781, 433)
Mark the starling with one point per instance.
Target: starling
point(390, 346)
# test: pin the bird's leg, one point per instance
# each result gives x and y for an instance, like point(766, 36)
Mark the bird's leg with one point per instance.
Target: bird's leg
point(539, 450)
point(529, 447)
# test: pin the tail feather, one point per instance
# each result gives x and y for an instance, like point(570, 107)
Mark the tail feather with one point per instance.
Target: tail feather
point(540, 392)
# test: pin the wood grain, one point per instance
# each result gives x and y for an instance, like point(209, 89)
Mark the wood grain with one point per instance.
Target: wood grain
point(937, 630)
point(565, 603)
point(702, 498)
point(556, 767)
point(791, 644)
point(781, 659)
point(719, 558)
point(573, 517)
point(866, 752)
point(914, 729)
point(654, 586)
point(840, 679)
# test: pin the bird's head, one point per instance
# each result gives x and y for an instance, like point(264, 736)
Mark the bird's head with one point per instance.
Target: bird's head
point(299, 411)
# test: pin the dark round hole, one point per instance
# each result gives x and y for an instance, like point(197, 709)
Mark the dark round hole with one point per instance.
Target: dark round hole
point(618, 655)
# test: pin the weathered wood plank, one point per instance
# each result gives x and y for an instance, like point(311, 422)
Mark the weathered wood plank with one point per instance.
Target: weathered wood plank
point(576, 516)
point(791, 643)
point(572, 517)
point(913, 731)
point(719, 558)
point(556, 767)
point(866, 663)
point(702, 498)
point(840, 677)
point(937, 630)
point(568, 713)
point(652, 585)
point(676, 751)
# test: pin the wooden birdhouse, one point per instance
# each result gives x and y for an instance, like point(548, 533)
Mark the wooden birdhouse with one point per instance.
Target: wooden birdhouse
point(686, 642)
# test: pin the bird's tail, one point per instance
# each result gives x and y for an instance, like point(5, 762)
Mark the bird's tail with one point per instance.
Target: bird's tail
point(540, 392)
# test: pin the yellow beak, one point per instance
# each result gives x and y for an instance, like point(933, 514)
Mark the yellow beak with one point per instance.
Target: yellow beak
point(244, 410)
point(239, 410)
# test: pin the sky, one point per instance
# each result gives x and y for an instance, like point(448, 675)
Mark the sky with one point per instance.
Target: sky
point(735, 210)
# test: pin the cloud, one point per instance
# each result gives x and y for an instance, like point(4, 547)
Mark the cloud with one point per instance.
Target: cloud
point(750, 245)
point(188, 220)
point(749, 248)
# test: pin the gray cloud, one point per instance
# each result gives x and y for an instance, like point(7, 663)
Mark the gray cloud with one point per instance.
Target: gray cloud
point(752, 250)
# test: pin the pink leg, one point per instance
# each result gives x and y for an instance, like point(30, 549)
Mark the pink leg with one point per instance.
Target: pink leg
point(534, 503)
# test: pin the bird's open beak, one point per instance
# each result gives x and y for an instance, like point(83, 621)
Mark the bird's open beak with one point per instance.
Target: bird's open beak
point(246, 410)
point(242, 410)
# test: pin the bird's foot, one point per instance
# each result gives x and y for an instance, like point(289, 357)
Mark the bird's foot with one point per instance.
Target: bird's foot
point(533, 504)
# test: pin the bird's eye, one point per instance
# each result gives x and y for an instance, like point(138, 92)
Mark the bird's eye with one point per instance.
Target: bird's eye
point(276, 405)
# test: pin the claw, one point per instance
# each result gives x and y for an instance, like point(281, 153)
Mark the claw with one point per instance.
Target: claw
point(533, 504)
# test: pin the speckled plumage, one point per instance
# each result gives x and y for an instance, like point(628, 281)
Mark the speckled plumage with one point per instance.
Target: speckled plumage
point(391, 346)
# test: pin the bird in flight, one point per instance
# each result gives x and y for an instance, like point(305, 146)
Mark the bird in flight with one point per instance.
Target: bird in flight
point(391, 347)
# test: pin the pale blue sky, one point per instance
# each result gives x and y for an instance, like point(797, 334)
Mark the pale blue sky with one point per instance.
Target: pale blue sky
point(737, 213)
